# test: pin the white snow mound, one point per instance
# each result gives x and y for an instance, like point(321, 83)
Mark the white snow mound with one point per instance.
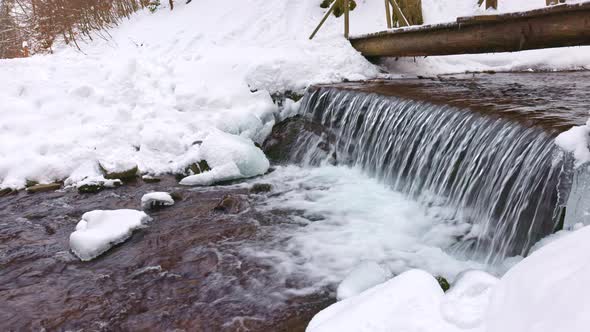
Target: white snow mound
point(361, 278)
point(408, 302)
point(100, 230)
point(156, 198)
point(230, 157)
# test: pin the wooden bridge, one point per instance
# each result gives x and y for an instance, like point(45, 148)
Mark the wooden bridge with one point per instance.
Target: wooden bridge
point(554, 26)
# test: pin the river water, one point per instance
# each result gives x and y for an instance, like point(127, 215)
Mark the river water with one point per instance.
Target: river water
point(274, 259)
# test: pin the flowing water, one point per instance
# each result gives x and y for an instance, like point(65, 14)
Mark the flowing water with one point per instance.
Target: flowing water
point(444, 175)
point(495, 174)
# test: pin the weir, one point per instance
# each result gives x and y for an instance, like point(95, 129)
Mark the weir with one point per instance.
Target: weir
point(508, 180)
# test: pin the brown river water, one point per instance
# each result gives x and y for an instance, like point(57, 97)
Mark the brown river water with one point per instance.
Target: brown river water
point(186, 271)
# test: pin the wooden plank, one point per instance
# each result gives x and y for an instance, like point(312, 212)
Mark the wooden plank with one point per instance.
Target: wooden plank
point(556, 26)
point(323, 20)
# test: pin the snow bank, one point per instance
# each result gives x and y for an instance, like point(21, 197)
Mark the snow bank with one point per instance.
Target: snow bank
point(150, 200)
point(547, 291)
point(408, 302)
point(363, 277)
point(576, 141)
point(230, 157)
point(100, 230)
point(163, 82)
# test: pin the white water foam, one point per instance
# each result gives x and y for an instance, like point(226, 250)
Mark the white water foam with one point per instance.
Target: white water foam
point(343, 218)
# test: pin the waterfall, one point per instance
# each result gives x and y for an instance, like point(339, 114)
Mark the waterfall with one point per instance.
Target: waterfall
point(500, 176)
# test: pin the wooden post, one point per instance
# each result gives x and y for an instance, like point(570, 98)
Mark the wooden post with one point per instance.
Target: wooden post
point(323, 20)
point(492, 4)
point(388, 14)
point(403, 22)
point(346, 18)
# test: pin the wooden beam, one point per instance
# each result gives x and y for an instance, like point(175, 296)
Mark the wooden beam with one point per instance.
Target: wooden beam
point(403, 22)
point(556, 26)
point(323, 20)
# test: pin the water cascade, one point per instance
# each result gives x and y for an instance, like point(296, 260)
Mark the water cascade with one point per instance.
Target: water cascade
point(500, 176)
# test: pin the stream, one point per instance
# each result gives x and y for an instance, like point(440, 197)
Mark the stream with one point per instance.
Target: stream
point(443, 174)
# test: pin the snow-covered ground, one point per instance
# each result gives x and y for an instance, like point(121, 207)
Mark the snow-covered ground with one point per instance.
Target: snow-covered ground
point(167, 80)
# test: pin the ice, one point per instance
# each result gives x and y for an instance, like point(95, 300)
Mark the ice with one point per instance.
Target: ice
point(99, 230)
point(361, 278)
point(465, 304)
point(158, 198)
point(230, 157)
point(408, 302)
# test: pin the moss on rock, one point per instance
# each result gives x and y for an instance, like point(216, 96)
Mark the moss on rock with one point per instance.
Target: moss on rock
point(443, 282)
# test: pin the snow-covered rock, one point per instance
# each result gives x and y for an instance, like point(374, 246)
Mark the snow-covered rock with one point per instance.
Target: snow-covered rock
point(100, 230)
point(361, 278)
point(157, 198)
point(548, 291)
point(576, 141)
point(408, 302)
point(230, 157)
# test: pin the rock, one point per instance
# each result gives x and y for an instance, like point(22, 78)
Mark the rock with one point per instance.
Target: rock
point(126, 175)
point(444, 284)
point(90, 188)
point(285, 141)
point(44, 187)
point(176, 196)
point(279, 97)
point(258, 188)
point(229, 204)
point(156, 200)
point(6, 192)
point(31, 183)
point(193, 169)
point(198, 168)
point(150, 179)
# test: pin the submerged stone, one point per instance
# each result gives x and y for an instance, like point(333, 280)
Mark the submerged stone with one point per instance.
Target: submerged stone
point(229, 204)
point(258, 188)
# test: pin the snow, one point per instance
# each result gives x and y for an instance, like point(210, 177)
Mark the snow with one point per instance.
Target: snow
point(169, 79)
point(99, 230)
point(409, 302)
point(465, 304)
point(575, 141)
point(156, 198)
point(229, 157)
point(546, 291)
point(361, 278)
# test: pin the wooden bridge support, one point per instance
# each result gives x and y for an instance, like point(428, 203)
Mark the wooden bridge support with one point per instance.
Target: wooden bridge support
point(555, 26)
